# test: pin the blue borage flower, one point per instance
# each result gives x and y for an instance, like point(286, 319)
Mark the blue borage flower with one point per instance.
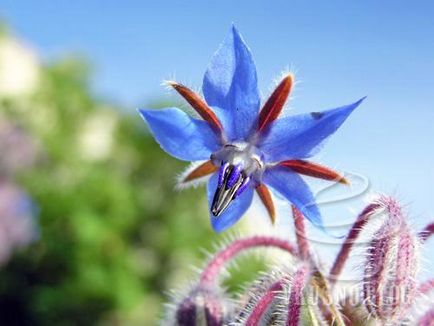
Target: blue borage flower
point(246, 148)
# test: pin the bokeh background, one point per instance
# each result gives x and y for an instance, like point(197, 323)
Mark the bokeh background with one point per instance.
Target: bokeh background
point(92, 231)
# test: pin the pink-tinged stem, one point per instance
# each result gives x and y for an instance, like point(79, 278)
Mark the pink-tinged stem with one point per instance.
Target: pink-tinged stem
point(426, 232)
point(296, 296)
point(300, 233)
point(214, 267)
point(427, 319)
point(426, 287)
point(305, 253)
point(342, 257)
point(264, 303)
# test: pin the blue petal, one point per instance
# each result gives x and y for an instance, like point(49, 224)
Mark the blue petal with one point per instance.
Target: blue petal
point(233, 212)
point(292, 187)
point(302, 135)
point(230, 85)
point(180, 135)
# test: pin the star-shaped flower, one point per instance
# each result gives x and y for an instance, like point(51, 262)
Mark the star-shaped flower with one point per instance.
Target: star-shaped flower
point(246, 148)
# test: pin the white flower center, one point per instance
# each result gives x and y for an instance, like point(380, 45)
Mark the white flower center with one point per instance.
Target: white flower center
point(240, 167)
point(242, 154)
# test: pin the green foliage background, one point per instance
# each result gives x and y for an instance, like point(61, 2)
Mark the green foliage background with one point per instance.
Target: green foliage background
point(115, 235)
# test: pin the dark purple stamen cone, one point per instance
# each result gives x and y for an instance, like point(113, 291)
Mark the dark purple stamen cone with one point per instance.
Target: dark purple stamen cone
point(234, 176)
point(222, 173)
point(243, 187)
point(390, 270)
point(232, 182)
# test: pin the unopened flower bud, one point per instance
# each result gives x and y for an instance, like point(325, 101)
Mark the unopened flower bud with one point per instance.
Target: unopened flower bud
point(202, 306)
point(391, 267)
point(206, 304)
point(262, 301)
point(277, 298)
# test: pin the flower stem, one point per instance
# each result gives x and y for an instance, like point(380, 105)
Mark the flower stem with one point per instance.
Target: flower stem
point(426, 232)
point(214, 267)
point(300, 233)
point(342, 257)
point(264, 303)
point(426, 286)
point(318, 282)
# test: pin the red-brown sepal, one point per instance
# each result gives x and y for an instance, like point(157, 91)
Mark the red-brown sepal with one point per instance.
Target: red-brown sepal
point(202, 170)
point(198, 104)
point(265, 195)
point(314, 170)
point(274, 105)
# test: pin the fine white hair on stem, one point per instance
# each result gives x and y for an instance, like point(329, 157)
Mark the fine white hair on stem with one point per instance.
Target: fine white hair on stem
point(256, 290)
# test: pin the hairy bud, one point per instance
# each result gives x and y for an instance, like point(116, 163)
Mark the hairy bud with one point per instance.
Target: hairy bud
point(261, 301)
point(276, 299)
point(202, 307)
point(295, 298)
point(391, 267)
point(206, 303)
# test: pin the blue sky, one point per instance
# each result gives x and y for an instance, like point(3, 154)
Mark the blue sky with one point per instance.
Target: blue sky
point(341, 51)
